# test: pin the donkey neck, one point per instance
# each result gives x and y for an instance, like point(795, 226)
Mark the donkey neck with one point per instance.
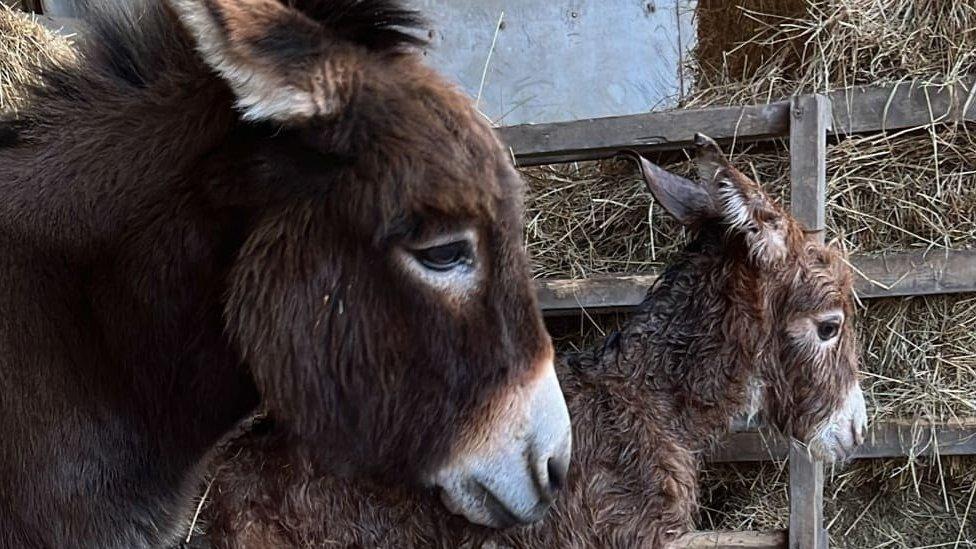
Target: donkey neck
point(695, 339)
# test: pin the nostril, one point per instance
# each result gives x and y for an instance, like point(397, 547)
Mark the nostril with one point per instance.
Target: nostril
point(557, 474)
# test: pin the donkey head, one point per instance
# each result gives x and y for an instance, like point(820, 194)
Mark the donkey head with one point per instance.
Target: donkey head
point(799, 291)
point(380, 296)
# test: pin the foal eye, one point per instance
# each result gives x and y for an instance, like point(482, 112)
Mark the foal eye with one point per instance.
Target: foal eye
point(445, 257)
point(827, 330)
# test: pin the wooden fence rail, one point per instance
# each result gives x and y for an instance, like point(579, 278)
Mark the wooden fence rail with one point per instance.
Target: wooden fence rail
point(885, 439)
point(888, 275)
point(860, 109)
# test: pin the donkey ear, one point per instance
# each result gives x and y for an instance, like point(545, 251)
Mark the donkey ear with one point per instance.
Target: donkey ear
point(742, 204)
point(686, 200)
point(709, 159)
point(265, 51)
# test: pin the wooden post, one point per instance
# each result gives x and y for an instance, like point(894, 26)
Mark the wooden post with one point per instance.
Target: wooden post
point(810, 120)
point(806, 500)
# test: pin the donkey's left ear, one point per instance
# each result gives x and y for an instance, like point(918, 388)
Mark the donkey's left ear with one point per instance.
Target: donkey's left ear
point(684, 199)
point(281, 64)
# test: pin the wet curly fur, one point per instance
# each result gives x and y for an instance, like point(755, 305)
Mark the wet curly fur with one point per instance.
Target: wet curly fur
point(647, 405)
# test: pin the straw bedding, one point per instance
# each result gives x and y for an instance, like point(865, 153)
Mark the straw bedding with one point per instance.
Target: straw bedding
point(25, 46)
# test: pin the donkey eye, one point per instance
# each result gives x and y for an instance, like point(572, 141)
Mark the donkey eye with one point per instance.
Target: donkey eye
point(827, 330)
point(445, 257)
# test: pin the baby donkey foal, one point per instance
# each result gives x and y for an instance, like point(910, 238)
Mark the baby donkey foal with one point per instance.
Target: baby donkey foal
point(753, 317)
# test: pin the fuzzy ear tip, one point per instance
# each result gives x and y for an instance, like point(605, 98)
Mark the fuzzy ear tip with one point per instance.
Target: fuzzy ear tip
point(706, 144)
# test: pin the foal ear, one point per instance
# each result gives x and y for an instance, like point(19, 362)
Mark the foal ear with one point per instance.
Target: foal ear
point(685, 200)
point(742, 203)
point(273, 56)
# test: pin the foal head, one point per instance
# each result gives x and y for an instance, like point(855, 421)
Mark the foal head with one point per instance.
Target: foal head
point(381, 296)
point(799, 294)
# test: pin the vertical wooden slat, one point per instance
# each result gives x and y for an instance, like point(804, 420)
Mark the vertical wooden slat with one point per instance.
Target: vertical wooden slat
point(810, 119)
point(806, 500)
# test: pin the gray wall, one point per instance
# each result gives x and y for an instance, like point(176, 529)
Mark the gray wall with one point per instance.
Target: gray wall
point(560, 60)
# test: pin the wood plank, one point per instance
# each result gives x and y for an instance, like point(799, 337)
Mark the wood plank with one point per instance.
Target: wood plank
point(887, 439)
point(809, 122)
point(730, 540)
point(534, 144)
point(902, 105)
point(888, 275)
point(858, 109)
point(915, 273)
point(810, 118)
point(806, 500)
point(605, 293)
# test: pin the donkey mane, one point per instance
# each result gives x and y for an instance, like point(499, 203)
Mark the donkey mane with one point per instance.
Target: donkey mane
point(127, 38)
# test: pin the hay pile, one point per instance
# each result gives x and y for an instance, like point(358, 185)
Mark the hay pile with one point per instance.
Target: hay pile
point(25, 46)
point(882, 503)
point(915, 190)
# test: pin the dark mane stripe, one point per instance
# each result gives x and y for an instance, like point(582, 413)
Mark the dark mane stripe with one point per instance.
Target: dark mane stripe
point(377, 25)
point(130, 36)
point(134, 41)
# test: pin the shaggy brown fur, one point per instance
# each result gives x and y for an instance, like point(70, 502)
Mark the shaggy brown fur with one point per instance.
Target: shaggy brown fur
point(752, 316)
point(234, 203)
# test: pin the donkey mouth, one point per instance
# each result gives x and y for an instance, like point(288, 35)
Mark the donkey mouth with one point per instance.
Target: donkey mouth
point(838, 440)
point(501, 515)
point(479, 504)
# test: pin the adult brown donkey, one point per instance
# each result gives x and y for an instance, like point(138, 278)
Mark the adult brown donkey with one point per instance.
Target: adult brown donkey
point(753, 317)
point(240, 203)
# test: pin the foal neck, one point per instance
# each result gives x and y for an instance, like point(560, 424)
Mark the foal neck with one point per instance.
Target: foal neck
point(694, 342)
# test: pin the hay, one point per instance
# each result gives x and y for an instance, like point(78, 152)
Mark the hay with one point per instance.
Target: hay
point(915, 190)
point(870, 504)
point(821, 45)
point(919, 357)
point(26, 46)
point(591, 218)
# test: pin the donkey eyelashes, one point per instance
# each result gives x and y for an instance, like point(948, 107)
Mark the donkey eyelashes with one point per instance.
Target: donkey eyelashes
point(447, 262)
point(828, 329)
point(445, 257)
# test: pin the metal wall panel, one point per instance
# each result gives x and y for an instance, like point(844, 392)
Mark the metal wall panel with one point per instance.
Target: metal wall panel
point(557, 60)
